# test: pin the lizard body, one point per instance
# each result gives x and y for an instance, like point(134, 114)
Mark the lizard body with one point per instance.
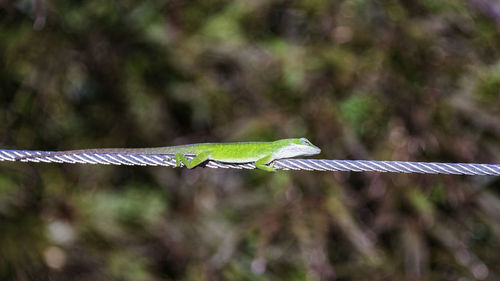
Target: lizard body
point(260, 153)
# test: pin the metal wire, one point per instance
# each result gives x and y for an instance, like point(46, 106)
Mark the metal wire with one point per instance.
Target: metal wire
point(283, 164)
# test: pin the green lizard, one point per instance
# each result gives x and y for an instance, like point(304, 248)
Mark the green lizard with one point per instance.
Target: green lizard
point(259, 153)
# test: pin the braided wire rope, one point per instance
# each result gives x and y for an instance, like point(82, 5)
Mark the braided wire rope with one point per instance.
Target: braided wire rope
point(282, 164)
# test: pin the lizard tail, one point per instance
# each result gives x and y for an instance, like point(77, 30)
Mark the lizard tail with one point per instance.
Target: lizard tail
point(95, 150)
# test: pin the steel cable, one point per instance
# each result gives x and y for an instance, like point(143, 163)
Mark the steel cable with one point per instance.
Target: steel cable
point(283, 164)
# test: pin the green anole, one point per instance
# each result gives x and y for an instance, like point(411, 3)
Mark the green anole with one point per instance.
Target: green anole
point(259, 153)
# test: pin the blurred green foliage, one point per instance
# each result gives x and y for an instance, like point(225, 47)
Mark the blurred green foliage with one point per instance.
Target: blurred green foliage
point(395, 80)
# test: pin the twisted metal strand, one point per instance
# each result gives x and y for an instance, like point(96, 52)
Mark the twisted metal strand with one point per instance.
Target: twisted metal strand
point(283, 164)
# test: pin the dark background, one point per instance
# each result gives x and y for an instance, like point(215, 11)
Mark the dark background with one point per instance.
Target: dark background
point(385, 80)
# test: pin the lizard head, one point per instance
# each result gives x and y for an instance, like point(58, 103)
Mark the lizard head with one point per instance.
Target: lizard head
point(297, 147)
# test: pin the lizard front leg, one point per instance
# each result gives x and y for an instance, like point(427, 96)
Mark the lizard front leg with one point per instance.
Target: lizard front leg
point(261, 163)
point(197, 160)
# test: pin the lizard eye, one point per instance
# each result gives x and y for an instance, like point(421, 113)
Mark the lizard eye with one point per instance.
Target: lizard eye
point(304, 141)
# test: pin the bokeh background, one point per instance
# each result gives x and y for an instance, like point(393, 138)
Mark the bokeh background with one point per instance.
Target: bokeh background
point(387, 80)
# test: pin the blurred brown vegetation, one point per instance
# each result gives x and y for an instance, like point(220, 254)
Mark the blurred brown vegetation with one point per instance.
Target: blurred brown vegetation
point(387, 80)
